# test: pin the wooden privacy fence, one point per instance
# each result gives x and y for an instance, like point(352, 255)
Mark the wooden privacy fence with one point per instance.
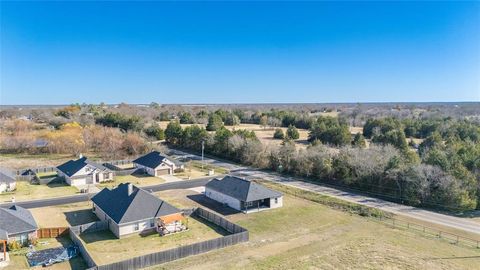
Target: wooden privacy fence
point(35, 170)
point(83, 250)
point(176, 253)
point(52, 232)
point(239, 235)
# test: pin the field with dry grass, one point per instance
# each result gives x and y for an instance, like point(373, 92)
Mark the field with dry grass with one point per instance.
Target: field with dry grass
point(307, 235)
point(22, 161)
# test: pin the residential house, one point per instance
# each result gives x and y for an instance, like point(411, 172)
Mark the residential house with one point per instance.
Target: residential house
point(128, 209)
point(242, 194)
point(17, 224)
point(156, 164)
point(83, 172)
point(7, 180)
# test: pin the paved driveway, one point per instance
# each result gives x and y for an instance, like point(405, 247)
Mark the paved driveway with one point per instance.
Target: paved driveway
point(170, 178)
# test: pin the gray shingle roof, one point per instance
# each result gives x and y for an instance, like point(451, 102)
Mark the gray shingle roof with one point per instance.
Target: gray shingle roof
point(151, 160)
point(242, 189)
point(6, 176)
point(124, 208)
point(16, 220)
point(73, 166)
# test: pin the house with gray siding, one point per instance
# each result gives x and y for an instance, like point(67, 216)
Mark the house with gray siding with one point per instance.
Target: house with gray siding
point(83, 172)
point(156, 164)
point(242, 194)
point(17, 224)
point(128, 209)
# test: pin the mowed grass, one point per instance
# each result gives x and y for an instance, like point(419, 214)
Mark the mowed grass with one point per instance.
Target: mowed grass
point(136, 179)
point(197, 165)
point(25, 191)
point(64, 215)
point(106, 248)
point(308, 235)
point(18, 261)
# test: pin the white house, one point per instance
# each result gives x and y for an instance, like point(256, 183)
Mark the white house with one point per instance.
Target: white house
point(7, 181)
point(128, 209)
point(242, 194)
point(156, 164)
point(83, 172)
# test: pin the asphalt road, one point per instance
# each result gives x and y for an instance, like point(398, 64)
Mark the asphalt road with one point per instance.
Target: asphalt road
point(86, 196)
point(459, 223)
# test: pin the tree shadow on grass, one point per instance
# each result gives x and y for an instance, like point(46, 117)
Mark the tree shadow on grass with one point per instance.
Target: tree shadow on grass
point(213, 205)
point(79, 217)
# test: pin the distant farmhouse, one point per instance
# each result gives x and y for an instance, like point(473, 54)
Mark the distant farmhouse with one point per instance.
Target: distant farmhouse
point(128, 209)
point(7, 180)
point(83, 172)
point(156, 164)
point(242, 194)
point(17, 224)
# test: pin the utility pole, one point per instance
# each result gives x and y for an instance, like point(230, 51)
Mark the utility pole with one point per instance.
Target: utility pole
point(203, 148)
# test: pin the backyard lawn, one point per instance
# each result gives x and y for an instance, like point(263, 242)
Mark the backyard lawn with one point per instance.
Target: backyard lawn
point(26, 191)
point(308, 235)
point(64, 215)
point(18, 261)
point(136, 179)
point(105, 248)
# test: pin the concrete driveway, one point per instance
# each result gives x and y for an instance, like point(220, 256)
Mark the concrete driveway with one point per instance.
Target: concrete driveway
point(170, 178)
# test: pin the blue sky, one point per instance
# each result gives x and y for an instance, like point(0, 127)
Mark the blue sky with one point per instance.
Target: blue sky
point(233, 52)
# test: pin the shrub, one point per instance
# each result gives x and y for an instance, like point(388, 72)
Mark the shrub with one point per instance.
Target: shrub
point(278, 134)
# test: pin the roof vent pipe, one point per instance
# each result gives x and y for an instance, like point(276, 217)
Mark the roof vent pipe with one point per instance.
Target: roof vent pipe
point(130, 189)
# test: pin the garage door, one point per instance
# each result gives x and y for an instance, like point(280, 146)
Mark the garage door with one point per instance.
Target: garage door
point(163, 172)
point(78, 182)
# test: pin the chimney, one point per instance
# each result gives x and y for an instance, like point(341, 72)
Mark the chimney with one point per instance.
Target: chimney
point(130, 189)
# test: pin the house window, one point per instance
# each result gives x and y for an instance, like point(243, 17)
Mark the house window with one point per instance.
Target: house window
point(276, 200)
point(93, 208)
point(136, 227)
point(152, 223)
point(247, 204)
point(106, 176)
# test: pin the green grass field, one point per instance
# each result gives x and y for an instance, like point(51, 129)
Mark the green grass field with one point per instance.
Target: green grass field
point(26, 191)
point(138, 180)
point(308, 235)
point(198, 165)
